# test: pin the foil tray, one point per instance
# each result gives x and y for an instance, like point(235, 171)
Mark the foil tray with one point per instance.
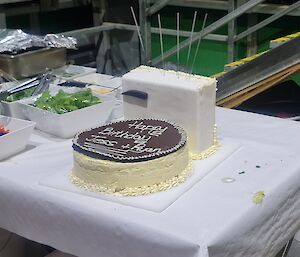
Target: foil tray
point(33, 62)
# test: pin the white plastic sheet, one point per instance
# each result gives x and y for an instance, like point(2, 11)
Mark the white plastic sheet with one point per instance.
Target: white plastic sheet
point(211, 219)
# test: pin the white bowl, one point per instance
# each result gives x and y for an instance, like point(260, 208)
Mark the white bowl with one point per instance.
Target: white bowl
point(15, 141)
point(94, 78)
point(72, 71)
point(68, 124)
point(114, 83)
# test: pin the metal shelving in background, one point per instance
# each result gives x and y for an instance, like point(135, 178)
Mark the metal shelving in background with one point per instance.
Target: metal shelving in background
point(148, 8)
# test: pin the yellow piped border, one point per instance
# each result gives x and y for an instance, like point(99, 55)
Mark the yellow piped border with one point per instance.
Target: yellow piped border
point(208, 152)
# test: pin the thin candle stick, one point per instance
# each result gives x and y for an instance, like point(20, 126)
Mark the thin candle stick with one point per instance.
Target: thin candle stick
point(178, 40)
point(161, 41)
point(199, 41)
point(137, 28)
point(285, 249)
point(191, 37)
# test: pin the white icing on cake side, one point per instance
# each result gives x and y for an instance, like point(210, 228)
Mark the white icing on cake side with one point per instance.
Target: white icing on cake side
point(135, 191)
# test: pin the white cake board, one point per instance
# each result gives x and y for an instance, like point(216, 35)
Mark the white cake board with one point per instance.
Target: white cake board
point(156, 202)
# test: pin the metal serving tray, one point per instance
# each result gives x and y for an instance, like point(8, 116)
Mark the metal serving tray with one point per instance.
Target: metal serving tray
point(32, 62)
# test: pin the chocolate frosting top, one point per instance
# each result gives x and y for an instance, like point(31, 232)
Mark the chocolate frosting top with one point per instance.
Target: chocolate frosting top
point(131, 140)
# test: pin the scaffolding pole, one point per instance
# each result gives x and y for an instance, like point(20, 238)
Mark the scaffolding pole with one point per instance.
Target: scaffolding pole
point(231, 33)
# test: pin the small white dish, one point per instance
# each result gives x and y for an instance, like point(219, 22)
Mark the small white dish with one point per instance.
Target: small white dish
point(15, 141)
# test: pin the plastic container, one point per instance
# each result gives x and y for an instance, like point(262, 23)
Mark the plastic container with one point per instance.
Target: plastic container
point(15, 141)
point(94, 78)
point(68, 124)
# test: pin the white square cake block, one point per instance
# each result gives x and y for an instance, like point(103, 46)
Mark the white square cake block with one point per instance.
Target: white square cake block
point(188, 100)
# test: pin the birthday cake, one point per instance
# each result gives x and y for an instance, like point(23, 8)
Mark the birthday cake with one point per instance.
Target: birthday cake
point(131, 157)
point(186, 99)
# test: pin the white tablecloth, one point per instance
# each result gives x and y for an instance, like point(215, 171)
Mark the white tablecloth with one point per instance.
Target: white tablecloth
point(211, 219)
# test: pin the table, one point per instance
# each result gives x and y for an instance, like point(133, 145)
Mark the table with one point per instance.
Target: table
point(212, 219)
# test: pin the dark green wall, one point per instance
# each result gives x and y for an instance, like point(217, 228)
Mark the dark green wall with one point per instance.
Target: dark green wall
point(56, 21)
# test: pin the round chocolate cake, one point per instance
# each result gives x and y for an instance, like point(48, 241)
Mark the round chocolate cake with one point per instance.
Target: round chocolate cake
point(130, 156)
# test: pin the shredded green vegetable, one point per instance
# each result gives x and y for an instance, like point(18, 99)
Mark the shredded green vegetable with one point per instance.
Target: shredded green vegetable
point(64, 102)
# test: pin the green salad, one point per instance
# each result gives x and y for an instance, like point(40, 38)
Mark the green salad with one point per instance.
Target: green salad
point(64, 102)
point(20, 95)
